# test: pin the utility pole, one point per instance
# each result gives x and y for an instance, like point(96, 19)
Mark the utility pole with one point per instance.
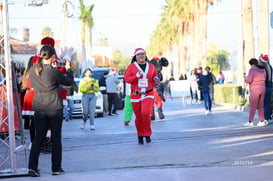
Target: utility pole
point(64, 17)
point(240, 48)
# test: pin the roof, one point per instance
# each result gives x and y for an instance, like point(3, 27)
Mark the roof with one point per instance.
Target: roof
point(21, 47)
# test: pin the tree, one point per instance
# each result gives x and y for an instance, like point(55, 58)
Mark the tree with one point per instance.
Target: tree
point(88, 23)
point(218, 57)
point(47, 31)
point(120, 61)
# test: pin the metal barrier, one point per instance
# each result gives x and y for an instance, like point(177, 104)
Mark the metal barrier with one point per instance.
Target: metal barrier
point(13, 156)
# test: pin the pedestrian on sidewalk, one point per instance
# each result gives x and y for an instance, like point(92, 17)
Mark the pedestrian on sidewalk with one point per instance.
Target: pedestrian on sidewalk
point(193, 87)
point(88, 87)
point(142, 76)
point(48, 107)
point(264, 62)
point(256, 79)
point(204, 82)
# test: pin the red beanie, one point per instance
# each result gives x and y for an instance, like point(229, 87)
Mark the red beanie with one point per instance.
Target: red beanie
point(48, 41)
point(139, 50)
point(263, 58)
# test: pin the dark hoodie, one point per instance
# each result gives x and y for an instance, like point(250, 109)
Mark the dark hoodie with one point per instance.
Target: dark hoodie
point(256, 77)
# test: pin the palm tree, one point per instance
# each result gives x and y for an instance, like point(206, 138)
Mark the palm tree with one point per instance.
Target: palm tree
point(86, 21)
point(219, 57)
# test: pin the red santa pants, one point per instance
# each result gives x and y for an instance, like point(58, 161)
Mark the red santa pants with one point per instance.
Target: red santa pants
point(142, 112)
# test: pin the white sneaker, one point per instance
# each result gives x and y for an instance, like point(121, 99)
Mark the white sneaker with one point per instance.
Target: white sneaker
point(206, 112)
point(262, 123)
point(83, 125)
point(248, 124)
point(92, 127)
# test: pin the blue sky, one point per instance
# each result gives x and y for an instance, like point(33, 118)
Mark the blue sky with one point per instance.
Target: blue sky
point(127, 24)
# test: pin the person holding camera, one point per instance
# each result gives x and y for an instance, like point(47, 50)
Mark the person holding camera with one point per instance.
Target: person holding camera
point(88, 86)
point(48, 108)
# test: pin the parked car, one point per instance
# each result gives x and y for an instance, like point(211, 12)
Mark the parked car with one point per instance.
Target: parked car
point(77, 99)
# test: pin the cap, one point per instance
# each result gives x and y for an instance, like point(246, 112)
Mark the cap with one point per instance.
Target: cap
point(139, 50)
point(48, 41)
point(263, 58)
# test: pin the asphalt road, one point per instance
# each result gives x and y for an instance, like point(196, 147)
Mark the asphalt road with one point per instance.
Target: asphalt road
point(186, 145)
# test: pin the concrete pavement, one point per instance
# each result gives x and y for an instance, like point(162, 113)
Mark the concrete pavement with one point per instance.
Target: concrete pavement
point(186, 145)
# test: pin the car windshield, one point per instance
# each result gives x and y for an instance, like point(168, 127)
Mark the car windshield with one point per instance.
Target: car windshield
point(97, 73)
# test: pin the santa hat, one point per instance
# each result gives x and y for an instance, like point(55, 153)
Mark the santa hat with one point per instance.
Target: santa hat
point(48, 41)
point(139, 50)
point(112, 70)
point(155, 58)
point(263, 58)
point(67, 57)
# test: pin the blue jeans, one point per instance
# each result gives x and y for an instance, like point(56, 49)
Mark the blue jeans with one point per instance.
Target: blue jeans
point(207, 101)
point(68, 109)
point(89, 107)
point(267, 103)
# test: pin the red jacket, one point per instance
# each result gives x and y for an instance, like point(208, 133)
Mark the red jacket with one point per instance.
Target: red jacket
point(131, 77)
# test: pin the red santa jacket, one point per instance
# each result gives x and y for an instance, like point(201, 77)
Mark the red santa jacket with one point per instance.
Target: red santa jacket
point(60, 65)
point(130, 76)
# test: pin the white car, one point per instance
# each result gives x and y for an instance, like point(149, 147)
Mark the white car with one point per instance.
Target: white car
point(77, 99)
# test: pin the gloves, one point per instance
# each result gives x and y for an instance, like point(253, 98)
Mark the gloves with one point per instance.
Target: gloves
point(139, 74)
point(156, 80)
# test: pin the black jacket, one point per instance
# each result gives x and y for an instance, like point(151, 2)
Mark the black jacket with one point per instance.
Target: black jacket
point(47, 96)
point(204, 81)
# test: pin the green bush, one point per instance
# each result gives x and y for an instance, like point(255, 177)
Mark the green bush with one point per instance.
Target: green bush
point(228, 93)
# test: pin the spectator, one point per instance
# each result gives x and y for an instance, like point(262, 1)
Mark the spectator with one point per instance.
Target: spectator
point(48, 107)
point(27, 111)
point(198, 74)
point(256, 79)
point(88, 86)
point(68, 109)
point(264, 62)
point(221, 78)
point(193, 87)
point(112, 91)
point(204, 81)
point(211, 85)
point(181, 77)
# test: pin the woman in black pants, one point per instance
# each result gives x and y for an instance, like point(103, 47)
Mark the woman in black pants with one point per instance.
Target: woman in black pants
point(48, 107)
